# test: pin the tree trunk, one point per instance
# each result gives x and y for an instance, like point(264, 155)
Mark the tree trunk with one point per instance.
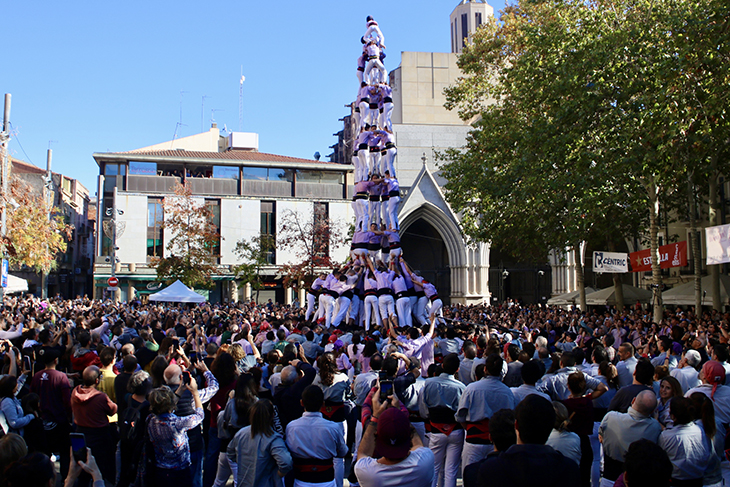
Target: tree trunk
point(695, 247)
point(656, 271)
point(618, 288)
point(579, 277)
point(714, 220)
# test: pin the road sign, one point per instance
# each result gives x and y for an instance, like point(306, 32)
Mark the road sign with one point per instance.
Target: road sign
point(113, 282)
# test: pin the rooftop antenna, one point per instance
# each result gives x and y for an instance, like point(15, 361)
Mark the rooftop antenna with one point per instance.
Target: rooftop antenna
point(177, 126)
point(212, 114)
point(179, 122)
point(202, 113)
point(181, 100)
point(240, 101)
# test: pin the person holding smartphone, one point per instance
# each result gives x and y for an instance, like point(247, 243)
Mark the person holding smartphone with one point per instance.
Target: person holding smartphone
point(168, 433)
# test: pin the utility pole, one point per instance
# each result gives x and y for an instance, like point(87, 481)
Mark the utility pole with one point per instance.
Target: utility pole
point(5, 175)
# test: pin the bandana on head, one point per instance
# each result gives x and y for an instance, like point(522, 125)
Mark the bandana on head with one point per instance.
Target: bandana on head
point(714, 374)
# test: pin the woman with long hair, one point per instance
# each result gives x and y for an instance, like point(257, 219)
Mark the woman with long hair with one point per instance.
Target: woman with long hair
point(157, 371)
point(139, 386)
point(260, 452)
point(234, 417)
point(370, 349)
point(669, 388)
point(12, 419)
point(336, 387)
point(685, 444)
point(704, 416)
point(354, 352)
point(226, 372)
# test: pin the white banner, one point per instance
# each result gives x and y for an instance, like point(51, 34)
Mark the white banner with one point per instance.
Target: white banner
point(610, 262)
point(718, 244)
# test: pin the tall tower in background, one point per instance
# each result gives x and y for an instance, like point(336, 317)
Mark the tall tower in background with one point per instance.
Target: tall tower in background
point(465, 19)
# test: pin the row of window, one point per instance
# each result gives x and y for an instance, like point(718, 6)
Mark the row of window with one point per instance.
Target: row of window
point(155, 219)
point(222, 172)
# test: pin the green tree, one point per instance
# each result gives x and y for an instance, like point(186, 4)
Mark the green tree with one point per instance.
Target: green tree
point(254, 256)
point(531, 179)
point(192, 251)
point(590, 114)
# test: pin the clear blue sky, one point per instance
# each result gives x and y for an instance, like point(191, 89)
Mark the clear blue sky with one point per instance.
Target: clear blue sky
point(106, 76)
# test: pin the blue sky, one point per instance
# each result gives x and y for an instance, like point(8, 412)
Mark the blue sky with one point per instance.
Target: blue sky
point(106, 76)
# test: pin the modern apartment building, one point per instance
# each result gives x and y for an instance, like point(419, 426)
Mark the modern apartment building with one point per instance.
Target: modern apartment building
point(247, 191)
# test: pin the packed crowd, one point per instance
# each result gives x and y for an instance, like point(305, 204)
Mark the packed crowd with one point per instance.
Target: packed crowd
point(495, 395)
point(374, 369)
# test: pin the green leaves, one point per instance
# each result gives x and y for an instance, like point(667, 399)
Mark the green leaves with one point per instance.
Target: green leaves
point(587, 112)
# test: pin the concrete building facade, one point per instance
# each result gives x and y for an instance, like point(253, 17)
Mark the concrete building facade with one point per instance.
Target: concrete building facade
point(248, 191)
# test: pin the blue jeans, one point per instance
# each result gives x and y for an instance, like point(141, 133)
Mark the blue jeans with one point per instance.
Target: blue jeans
point(196, 469)
point(210, 467)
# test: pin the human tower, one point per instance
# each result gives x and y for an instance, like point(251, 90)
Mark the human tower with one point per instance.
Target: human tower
point(377, 285)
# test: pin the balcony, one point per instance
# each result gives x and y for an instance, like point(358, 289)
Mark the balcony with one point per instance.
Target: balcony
point(213, 186)
point(253, 187)
point(152, 184)
point(319, 190)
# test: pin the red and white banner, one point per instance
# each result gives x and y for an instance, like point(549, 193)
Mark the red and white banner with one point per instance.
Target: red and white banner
point(672, 255)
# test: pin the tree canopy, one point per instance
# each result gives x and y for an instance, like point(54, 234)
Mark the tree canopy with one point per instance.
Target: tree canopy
point(582, 110)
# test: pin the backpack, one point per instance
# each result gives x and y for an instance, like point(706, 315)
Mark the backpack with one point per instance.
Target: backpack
point(129, 426)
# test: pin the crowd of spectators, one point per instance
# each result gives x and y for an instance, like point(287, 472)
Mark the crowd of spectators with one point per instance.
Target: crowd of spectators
point(197, 395)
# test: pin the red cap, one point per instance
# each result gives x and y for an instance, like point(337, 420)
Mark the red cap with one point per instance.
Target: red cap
point(394, 434)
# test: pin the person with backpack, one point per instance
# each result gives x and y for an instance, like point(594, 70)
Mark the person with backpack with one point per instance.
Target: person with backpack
point(131, 425)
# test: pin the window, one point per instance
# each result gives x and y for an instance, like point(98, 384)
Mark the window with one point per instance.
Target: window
point(270, 174)
point(143, 168)
point(268, 227)
point(464, 28)
point(255, 173)
point(225, 172)
point(276, 174)
point(114, 169)
point(214, 207)
point(320, 177)
point(155, 218)
point(477, 20)
point(321, 229)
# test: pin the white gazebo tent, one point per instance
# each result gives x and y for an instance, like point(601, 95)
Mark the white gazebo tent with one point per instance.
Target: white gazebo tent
point(569, 299)
point(684, 294)
point(177, 292)
point(16, 285)
point(608, 296)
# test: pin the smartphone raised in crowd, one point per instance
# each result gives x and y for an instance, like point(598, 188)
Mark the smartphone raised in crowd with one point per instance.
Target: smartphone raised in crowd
point(386, 390)
point(78, 445)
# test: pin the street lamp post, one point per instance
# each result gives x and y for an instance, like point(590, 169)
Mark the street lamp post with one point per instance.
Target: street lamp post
point(113, 230)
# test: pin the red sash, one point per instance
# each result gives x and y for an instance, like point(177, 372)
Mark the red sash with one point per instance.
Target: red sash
point(445, 428)
point(478, 433)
